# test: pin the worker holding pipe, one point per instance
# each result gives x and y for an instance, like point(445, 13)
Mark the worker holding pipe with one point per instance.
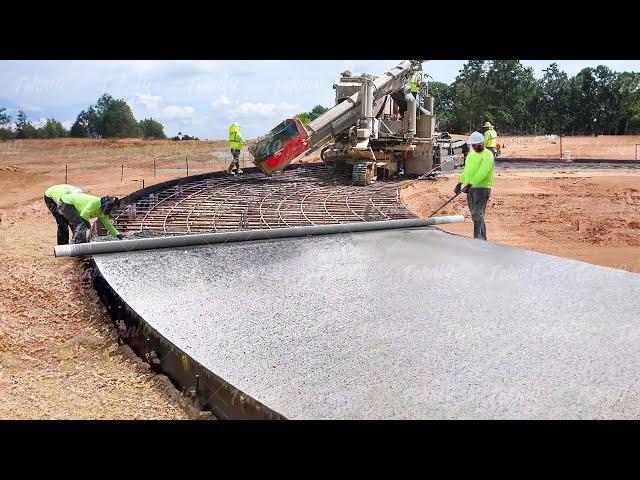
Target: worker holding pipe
point(476, 181)
point(51, 198)
point(236, 142)
point(79, 208)
point(490, 138)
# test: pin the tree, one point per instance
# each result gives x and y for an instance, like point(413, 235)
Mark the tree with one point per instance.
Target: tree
point(443, 101)
point(308, 117)
point(86, 125)
point(304, 118)
point(4, 118)
point(21, 124)
point(555, 99)
point(53, 129)
point(513, 91)
point(116, 119)
point(628, 116)
point(5, 133)
point(151, 128)
point(472, 93)
point(108, 118)
point(316, 112)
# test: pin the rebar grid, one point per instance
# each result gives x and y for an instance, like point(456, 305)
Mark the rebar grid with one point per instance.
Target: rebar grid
point(297, 197)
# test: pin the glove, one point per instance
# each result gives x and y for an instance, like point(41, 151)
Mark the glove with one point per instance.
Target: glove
point(457, 189)
point(466, 188)
point(119, 236)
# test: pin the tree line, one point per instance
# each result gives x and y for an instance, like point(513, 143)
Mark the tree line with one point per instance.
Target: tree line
point(596, 101)
point(108, 118)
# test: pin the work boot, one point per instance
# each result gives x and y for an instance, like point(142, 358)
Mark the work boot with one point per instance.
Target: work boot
point(239, 171)
point(230, 170)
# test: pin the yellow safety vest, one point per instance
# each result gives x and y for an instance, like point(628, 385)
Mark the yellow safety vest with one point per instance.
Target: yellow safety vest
point(490, 138)
point(414, 82)
point(235, 138)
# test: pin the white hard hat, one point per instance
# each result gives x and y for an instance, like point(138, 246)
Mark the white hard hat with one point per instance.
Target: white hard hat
point(475, 138)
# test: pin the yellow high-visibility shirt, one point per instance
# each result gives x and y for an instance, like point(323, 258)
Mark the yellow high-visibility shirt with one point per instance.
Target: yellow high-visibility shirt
point(414, 82)
point(235, 138)
point(490, 138)
point(478, 169)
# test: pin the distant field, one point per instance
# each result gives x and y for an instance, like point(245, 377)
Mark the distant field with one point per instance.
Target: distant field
point(622, 147)
point(27, 167)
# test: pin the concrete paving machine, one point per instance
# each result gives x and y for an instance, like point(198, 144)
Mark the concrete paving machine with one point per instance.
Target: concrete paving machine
point(378, 129)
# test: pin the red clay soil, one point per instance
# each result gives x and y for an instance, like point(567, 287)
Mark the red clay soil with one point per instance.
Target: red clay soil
point(596, 220)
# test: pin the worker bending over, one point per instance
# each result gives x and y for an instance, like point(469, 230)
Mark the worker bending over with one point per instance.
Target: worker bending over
point(490, 138)
point(51, 198)
point(236, 142)
point(476, 181)
point(79, 208)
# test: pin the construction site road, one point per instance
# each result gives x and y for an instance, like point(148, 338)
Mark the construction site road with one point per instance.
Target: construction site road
point(403, 324)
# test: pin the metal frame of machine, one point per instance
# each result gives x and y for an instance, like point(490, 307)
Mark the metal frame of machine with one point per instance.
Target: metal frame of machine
point(377, 129)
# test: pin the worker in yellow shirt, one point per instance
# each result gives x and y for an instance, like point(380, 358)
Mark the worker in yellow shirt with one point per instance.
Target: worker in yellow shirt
point(51, 199)
point(79, 208)
point(476, 181)
point(414, 83)
point(490, 138)
point(236, 142)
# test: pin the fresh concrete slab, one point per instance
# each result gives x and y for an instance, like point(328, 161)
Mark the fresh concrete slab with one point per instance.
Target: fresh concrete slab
point(404, 324)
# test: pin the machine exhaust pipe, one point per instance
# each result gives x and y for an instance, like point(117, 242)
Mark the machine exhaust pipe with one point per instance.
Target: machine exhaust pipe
point(96, 248)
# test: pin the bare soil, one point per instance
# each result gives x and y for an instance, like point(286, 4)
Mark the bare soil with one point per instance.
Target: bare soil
point(59, 357)
point(621, 147)
point(596, 220)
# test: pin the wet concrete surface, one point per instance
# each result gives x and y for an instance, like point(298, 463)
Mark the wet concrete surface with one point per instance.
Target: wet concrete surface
point(397, 325)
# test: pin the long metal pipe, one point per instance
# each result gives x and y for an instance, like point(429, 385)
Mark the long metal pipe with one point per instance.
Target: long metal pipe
point(96, 248)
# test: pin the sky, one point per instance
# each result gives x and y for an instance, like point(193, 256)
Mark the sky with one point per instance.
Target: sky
point(202, 98)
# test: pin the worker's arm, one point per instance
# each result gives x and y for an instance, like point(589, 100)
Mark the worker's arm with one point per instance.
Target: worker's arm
point(109, 226)
point(240, 138)
point(483, 170)
point(463, 176)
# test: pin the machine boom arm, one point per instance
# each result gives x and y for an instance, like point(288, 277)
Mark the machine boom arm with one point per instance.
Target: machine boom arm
point(290, 139)
point(342, 116)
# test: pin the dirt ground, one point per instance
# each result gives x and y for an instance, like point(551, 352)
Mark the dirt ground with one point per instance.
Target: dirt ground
point(622, 147)
point(59, 357)
point(58, 354)
point(596, 220)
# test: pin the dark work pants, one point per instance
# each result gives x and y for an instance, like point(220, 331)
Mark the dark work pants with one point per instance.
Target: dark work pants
point(63, 225)
point(236, 157)
point(79, 225)
point(477, 199)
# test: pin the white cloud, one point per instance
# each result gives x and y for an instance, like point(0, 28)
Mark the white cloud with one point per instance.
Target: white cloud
point(244, 110)
point(146, 105)
point(41, 122)
point(67, 124)
point(151, 102)
point(221, 101)
point(176, 112)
